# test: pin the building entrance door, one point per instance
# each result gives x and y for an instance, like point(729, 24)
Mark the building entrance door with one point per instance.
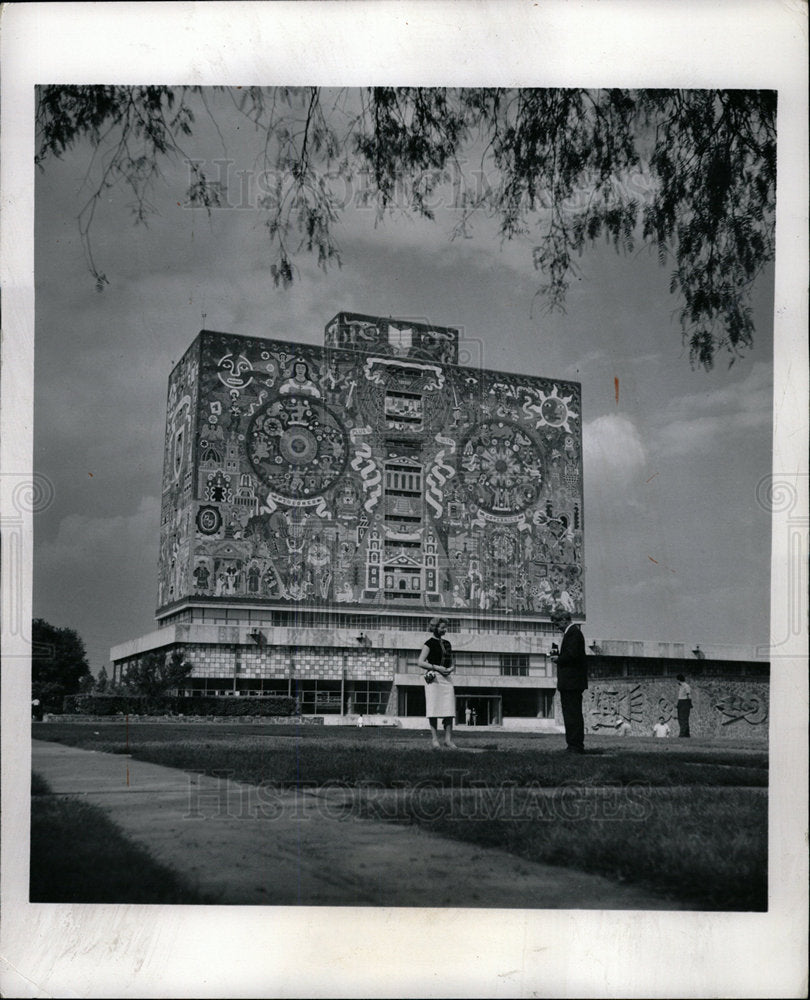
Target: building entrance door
point(479, 710)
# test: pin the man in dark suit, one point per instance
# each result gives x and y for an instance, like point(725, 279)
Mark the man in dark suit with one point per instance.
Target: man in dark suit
point(572, 680)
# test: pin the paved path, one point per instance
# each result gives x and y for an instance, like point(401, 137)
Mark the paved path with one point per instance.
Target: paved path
point(243, 844)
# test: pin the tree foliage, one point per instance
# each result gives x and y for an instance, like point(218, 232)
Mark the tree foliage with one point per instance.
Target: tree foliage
point(58, 664)
point(102, 681)
point(156, 673)
point(554, 167)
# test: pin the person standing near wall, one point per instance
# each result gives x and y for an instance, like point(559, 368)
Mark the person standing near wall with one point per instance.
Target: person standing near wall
point(572, 679)
point(436, 659)
point(684, 705)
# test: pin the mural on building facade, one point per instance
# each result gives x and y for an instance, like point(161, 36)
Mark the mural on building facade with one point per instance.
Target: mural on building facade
point(178, 480)
point(328, 476)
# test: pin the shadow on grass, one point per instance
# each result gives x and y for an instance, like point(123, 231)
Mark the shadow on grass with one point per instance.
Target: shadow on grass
point(78, 855)
point(707, 848)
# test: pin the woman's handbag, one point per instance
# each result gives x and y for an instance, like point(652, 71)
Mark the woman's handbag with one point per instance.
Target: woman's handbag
point(430, 676)
point(446, 656)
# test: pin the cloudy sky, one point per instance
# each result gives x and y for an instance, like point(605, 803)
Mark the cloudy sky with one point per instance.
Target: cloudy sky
point(676, 546)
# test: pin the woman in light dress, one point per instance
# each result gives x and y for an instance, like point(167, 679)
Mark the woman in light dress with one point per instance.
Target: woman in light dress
point(436, 660)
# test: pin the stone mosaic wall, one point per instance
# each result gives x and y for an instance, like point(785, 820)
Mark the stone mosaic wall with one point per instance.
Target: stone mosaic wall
point(721, 709)
point(311, 662)
point(177, 499)
point(328, 477)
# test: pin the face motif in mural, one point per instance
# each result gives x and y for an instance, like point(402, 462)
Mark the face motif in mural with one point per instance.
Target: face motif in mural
point(501, 467)
point(297, 446)
point(300, 381)
point(235, 373)
point(554, 411)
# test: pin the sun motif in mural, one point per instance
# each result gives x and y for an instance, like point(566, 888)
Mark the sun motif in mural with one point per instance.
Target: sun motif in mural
point(297, 446)
point(500, 466)
point(556, 410)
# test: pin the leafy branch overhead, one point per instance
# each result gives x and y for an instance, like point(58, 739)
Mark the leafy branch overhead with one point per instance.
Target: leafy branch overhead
point(691, 174)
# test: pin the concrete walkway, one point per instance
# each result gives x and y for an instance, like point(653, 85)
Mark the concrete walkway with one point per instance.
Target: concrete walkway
point(244, 844)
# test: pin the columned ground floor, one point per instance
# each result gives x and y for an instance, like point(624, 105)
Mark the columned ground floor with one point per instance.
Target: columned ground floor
point(342, 669)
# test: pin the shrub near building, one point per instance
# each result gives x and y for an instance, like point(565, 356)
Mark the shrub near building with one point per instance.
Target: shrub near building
point(150, 686)
point(133, 704)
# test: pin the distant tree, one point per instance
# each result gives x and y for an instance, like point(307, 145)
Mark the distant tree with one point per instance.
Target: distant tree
point(58, 664)
point(550, 165)
point(102, 681)
point(156, 673)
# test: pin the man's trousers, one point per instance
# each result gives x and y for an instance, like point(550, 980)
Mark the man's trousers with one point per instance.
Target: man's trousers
point(571, 702)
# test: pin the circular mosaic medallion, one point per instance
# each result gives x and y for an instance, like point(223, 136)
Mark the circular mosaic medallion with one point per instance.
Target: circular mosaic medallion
point(501, 467)
point(297, 446)
point(209, 520)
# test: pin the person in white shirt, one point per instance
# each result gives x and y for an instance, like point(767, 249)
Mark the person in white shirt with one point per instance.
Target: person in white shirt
point(661, 729)
point(684, 705)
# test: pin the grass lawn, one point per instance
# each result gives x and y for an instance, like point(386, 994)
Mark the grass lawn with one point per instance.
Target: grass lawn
point(79, 855)
point(704, 846)
point(688, 820)
point(292, 756)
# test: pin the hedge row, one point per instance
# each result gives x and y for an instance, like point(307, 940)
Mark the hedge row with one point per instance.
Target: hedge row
point(113, 704)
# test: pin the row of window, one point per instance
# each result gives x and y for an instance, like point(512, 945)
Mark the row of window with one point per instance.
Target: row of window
point(403, 507)
point(496, 664)
point(313, 697)
point(293, 618)
point(473, 706)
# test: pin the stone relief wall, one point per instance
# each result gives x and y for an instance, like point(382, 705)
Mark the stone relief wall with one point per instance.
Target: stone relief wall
point(329, 477)
point(721, 709)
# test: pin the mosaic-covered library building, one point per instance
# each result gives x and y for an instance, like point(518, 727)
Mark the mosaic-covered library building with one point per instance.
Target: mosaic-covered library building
point(321, 504)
